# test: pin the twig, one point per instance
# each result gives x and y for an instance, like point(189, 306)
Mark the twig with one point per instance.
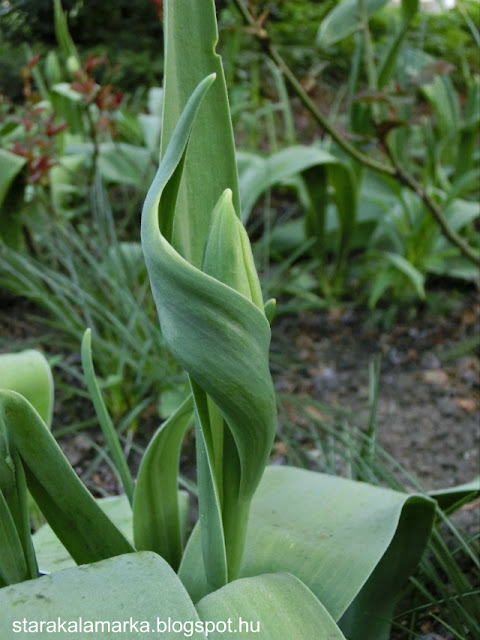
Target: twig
point(393, 170)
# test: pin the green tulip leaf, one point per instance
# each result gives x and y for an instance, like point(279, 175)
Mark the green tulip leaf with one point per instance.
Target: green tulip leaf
point(29, 374)
point(17, 557)
point(157, 521)
point(452, 498)
point(13, 567)
point(352, 544)
point(272, 606)
point(218, 336)
point(52, 555)
point(190, 26)
point(67, 505)
point(127, 597)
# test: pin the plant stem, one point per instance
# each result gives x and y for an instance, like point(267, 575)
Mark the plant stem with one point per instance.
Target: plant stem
point(393, 170)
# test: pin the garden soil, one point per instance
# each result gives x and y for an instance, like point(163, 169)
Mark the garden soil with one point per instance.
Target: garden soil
point(428, 412)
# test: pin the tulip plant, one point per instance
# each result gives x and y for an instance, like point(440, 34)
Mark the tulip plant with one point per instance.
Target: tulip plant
point(294, 553)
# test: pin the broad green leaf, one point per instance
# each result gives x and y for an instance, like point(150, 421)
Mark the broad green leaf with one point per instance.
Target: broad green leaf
point(370, 614)
point(29, 374)
point(330, 532)
point(11, 198)
point(271, 606)
point(452, 497)
point(64, 501)
point(157, 525)
point(337, 536)
point(17, 557)
point(342, 21)
point(259, 174)
point(190, 40)
point(123, 596)
point(52, 555)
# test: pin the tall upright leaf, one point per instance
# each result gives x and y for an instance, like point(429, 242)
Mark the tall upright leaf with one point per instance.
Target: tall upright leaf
point(221, 338)
point(223, 341)
point(156, 522)
point(190, 39)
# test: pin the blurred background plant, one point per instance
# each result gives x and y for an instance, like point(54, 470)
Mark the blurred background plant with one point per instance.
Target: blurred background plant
point(406, 123)
point(76, 159)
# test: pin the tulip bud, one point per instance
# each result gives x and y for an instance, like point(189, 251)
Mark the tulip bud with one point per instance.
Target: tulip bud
point(228, 254)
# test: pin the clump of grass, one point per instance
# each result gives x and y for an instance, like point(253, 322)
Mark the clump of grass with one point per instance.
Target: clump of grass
point(84, 276)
